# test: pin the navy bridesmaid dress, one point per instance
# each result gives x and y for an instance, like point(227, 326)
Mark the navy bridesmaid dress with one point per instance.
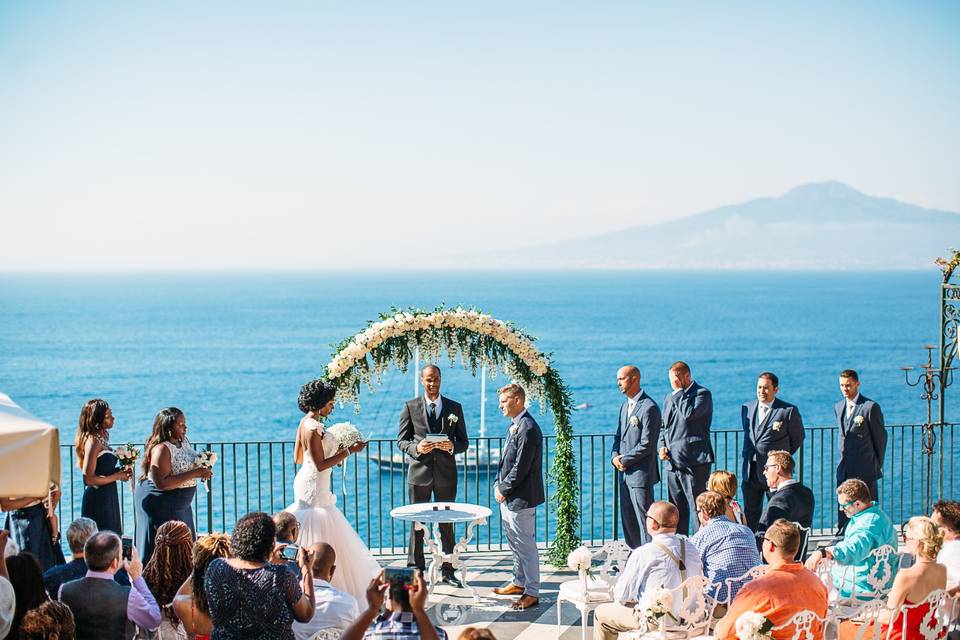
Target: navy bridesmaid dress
point(102, 504)
point(31, 530)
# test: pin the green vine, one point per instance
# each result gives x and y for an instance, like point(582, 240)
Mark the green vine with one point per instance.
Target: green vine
point(480, 341)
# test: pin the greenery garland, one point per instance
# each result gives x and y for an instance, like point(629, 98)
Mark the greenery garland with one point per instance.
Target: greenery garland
point(480, 340)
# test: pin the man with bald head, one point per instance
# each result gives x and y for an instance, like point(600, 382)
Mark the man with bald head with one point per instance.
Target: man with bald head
point(635, 454)
point(663, 563)
point(334, 609)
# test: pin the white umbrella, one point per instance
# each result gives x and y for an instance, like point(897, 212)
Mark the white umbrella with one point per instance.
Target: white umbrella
point(29, 452)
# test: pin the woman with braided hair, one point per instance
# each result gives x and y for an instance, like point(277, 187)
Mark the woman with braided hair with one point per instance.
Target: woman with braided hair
point(315, 505)
point(191, 605)
point(170, 564)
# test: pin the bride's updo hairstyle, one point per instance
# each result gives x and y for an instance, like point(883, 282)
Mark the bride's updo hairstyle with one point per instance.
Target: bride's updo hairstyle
point(315, 394)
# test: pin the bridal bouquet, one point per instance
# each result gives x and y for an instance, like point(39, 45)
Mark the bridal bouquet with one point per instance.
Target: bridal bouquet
point(127, 455)
point(206, 459)
point(345, 434)
point(753, 626)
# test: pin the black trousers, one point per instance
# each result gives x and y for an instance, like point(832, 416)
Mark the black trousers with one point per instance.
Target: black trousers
point(683, 487)
point(754, 490)
point(842, 520)
point(634, 502)
point(423, 493)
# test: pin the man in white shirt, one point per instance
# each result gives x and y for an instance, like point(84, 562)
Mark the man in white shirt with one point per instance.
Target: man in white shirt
point(334, 609)
point(664, 562)
point(946, 513)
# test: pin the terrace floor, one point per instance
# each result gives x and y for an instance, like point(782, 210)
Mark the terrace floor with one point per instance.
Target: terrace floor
point(454, 609)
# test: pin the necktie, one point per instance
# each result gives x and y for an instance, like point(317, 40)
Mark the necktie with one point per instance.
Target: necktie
point(630, 406)
point(850, 409)
point(433, 410)
point(764, 409)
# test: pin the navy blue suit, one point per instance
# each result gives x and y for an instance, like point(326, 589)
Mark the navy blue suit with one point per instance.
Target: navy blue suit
point(781, 430)
point(687, 416)
point(520, 470)
point(636, 444)
point(862, 446)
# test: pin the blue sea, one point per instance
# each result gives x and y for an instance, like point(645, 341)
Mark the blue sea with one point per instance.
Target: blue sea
point(232, 350)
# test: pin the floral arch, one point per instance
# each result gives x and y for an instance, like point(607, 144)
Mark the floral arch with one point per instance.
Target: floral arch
point(480, 340)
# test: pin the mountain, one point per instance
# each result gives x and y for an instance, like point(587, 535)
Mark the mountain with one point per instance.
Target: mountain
point(825, 225)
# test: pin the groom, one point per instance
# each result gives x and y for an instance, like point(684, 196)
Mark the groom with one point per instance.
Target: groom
point(433, 469)
point(519, 490)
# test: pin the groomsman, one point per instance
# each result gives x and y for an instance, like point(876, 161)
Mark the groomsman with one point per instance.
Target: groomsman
point(519, 490)
point(433, 469)
point(685, 442)
point(634, 455)
point(863, 437)
point(769, 424)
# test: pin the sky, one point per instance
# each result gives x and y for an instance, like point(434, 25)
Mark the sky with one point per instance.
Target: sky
point(309, 135)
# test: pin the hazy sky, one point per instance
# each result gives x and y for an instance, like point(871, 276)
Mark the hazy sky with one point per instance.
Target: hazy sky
point(159, 135)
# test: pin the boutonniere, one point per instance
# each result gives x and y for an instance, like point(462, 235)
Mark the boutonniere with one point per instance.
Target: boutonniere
point(858, 421)
point(513, 429)
point(777, 425)
point(452, 419)
point(634, 421)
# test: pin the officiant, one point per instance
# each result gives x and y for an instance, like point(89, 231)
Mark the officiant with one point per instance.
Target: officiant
point(432, 431)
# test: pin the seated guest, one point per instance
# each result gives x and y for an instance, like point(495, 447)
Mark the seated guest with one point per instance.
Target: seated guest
point(405, 617)
point(911, 586)
point(790, 500)
point(786, 589)
point(27, 581)
point(664, 562)
point(167, 569)
point(190, 604)
point(727, 549)
point(868, 529)
point(78, 533)
point(248, 596)
point(8, 604)
point(725, 483)
point(946, 513)
point(334, 609)
point(103, 609)
point(50, 621)
point(288, 529)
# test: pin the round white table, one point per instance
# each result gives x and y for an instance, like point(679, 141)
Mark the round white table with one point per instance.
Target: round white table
point(423, 514)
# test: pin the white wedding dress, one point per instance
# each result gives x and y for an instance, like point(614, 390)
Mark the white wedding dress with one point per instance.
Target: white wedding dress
point(315, 507)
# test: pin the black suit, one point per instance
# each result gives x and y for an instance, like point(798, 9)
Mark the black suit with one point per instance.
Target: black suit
point(687, 416)
point(863, 444)
point(793, 502)
point(780, 430)
point(636, 444)
point(432, 475)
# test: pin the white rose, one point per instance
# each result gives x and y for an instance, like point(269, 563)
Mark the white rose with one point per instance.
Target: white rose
point(634, 421)
point(858, 420)
point(777, 425)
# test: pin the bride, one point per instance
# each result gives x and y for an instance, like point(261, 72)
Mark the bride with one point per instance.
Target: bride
point(315, 505)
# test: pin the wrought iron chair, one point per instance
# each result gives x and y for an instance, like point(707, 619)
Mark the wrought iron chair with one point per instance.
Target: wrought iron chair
point(694, 613)
point(751, 574)
point(933, 624)
point(587, 593)
point(803, 625)
point(879, 577)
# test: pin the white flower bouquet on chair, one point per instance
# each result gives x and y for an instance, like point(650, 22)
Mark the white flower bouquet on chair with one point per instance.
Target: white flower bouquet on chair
point(753, 626)
point(657, 609)
point(581, 561)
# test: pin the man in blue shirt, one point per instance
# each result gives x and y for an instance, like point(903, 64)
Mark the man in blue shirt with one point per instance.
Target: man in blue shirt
point(727, 549)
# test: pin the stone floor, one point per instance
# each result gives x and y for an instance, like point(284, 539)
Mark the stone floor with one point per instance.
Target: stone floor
point(454, 609)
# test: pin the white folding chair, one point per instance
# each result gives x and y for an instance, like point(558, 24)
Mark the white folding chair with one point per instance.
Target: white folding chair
point(587, 592)
point(741, 581)
point(933, 624)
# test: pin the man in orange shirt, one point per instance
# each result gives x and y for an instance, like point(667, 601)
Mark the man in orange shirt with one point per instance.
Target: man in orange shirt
point(786, 589)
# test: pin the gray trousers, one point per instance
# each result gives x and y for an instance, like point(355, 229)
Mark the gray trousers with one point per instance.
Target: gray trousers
point(520, 527)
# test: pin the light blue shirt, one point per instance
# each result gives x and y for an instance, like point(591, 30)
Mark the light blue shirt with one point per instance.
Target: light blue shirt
point(868, 530)
point(727, 550)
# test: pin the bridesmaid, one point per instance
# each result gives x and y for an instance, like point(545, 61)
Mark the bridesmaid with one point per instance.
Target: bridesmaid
point(101, 502)
point(34, 526)
point(168, 481)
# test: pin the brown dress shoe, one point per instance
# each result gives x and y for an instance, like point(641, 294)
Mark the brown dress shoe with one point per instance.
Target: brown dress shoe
point(509, 590)
point(525, 602)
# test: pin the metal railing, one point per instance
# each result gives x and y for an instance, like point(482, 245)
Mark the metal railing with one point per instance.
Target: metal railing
point(258, 476)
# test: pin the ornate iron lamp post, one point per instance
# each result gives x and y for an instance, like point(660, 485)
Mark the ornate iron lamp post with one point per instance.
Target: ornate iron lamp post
point(935, 381)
